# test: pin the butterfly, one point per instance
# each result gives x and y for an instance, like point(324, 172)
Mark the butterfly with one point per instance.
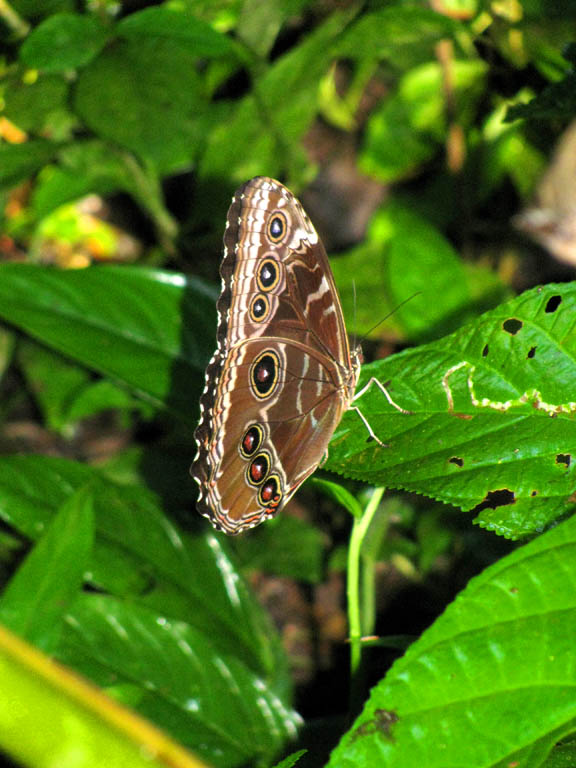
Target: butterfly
point(282, 374)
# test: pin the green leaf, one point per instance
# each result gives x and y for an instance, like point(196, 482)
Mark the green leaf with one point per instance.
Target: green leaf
point(562, 756)
point(341, 496)
point(291, 760)
point(96, 167)
point(152, 110)
point(139, 553)
point(404, 36)
point(405, 259)
point(510, 436)
point(223, 709)
point(265, 124)
point(66, 392)
point(49, 580)
point(31, 9)
point(20, 161)
point(411, 124)
point(180, 27)
point(83, 167)
point(498, 662)
point(149, 330)
point(50, 717)
point(31, 106)
point(259, 23)
point(64, 41)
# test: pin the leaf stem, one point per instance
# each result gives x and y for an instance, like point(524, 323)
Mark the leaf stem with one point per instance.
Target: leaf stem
point(356, 601)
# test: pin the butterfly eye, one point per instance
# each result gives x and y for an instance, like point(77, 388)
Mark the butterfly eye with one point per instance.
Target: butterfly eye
point(270, 494)
point(258, 469)
point(251, 441)
point(259, 308)
point(268, 275)
point(277, 226)
point(264, 374)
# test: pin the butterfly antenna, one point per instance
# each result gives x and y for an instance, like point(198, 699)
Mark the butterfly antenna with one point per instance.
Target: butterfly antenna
point(383, 320)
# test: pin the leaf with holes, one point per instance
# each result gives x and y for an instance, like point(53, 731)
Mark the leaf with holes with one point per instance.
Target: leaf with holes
point(493, 416)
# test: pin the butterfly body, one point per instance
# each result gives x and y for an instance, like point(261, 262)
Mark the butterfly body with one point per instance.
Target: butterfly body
point(282, 374)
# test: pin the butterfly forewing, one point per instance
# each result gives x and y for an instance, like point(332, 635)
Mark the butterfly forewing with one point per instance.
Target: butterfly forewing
point(281, 375)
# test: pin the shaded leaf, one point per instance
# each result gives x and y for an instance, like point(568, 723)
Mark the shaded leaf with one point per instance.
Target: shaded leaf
point(139, 553)
point(65, 391)
point(227, 712)
point(49, 580)
point(151, 110)
point(64, 41)
point(403, 35)
point(149, 330)
point(182, 28)
point(19, 161)
point(31, 106)
point(265, 123)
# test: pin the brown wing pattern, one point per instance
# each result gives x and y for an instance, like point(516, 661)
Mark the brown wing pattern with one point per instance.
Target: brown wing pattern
point(281, 375)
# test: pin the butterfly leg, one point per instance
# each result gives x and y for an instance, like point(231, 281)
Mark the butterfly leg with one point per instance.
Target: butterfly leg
point(384, 391)
point(386, 394)
point(368, 427)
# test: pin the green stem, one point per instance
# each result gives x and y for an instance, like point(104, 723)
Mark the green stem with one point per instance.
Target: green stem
point(355, 599)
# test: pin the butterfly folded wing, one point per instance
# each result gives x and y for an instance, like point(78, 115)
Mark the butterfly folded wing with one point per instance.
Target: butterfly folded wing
point(282, 374)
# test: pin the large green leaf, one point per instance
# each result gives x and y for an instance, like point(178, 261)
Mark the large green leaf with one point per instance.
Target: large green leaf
point(152, 110)
point(491, 683)
point(179, 27)
point(510, 436)
point(147, 329)
point(211, 702)
point(138, 552)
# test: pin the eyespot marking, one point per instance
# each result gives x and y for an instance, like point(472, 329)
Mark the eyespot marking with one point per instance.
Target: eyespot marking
point(264, 374)
point(277, 226)
point(259, 308)
point(268, 275)
point(258, 469)
point(251, 441)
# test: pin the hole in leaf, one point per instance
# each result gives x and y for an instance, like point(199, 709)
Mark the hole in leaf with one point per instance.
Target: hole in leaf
point(531, 353)
point(552, 304)
point(457, 461)
point(495, 499)
point(512, 325)
point(382, 722)
point(485, 350)
point(564, 458)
